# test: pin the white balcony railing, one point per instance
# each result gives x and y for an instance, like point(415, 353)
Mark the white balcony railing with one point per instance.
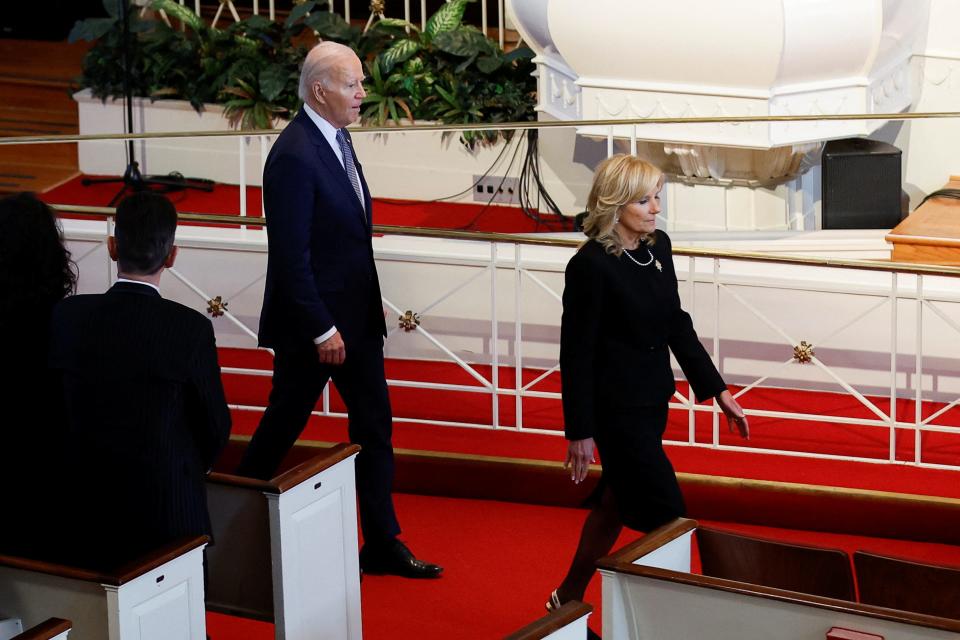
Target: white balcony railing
point(884, 334)
point(229, 9)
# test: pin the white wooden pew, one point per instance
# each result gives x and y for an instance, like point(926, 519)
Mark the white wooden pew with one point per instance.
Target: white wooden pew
point(569, 622)
point(285, 550)
point(158, 597)
point(650, 592)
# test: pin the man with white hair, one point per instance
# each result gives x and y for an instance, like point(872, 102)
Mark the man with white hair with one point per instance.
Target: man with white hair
point(322, 313)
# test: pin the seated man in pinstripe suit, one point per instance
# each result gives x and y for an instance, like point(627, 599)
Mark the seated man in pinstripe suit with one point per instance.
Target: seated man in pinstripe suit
point(145, 404)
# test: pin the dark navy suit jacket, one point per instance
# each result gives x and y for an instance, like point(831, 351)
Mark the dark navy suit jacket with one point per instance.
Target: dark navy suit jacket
point(320, 267)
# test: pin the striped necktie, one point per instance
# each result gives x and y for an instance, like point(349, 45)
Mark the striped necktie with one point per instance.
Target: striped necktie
point(348, 164)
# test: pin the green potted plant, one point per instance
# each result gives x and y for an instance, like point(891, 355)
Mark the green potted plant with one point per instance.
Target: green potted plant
point(448, 72)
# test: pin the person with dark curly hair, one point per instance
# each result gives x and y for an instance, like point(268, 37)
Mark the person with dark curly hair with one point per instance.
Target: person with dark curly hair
point(35, 273)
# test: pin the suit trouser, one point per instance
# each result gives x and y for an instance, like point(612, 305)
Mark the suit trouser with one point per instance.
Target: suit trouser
point(298, 380)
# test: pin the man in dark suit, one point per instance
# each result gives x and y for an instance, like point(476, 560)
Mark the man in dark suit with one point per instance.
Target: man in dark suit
point(322, 312)
point(146, 414)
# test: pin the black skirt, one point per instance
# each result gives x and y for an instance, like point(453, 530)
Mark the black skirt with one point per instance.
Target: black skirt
point(636, 468)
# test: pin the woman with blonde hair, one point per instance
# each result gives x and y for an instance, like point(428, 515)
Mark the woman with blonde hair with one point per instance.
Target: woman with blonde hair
point(621, 319)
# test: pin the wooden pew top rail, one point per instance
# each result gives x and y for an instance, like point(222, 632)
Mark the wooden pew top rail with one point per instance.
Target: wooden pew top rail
point(622, 562)
point(121, 575)
point(931, 234)
point(45, 630)
point(306, 463)
point(897, 583)
point(553, 621)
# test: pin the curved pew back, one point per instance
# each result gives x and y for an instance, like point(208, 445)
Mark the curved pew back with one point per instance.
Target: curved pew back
point(896, 583)
point(285, 549)
point(157, 597)
point(649, 591)
point(781, 565)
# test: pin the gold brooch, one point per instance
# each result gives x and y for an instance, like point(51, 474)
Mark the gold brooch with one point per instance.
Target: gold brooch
point(803, 352)
point(216, 307)
point(409, 321)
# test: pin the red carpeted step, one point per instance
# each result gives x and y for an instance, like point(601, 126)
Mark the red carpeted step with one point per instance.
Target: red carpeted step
point(418, 405)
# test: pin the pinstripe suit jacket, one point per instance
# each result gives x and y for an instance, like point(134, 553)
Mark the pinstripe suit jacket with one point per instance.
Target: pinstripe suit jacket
point(146, 416)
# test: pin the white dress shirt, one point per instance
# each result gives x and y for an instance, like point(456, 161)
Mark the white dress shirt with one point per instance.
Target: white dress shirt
point(149, 284)
point(330, 135)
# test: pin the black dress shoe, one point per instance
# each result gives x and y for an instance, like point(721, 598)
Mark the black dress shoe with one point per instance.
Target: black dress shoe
point(395, 558)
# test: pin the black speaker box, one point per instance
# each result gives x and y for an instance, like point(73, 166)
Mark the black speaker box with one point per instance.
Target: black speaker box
point(861, 185)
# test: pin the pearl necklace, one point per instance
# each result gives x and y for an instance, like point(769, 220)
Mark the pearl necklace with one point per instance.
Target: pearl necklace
point(656, 263)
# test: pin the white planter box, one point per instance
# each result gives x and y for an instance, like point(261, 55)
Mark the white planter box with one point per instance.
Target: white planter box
point(411, 165)
point(424, 166)
point(204, 157)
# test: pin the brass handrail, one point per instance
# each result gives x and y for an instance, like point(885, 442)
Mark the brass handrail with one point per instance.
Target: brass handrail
point(492, 127)
point(482, 236)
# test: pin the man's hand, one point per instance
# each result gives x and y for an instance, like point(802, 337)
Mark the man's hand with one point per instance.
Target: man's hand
point(579, 457)
point(332, 350)
point(736, 420)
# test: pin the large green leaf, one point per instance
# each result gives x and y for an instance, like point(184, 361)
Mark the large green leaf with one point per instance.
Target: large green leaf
point(328, 25)
point(446, 18)
point(489, 64)
point(90, 29)
point(272, 81)
point(300, 11)
point(398, 52)
point(181, 13)
point(462, 42)
point(256, 23)
point(520, 53)
point(399, 23)
point(112, 7)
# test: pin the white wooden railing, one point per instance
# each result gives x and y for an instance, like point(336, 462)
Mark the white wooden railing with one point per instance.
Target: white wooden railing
point(882, 333)
point(343, 8)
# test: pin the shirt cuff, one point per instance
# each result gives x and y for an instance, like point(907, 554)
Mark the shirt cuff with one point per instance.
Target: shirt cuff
point(325, 335)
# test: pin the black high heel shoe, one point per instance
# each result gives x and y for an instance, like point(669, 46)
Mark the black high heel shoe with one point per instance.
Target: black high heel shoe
point(554, 602)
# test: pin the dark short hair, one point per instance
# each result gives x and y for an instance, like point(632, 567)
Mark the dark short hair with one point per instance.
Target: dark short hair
point(146, 224)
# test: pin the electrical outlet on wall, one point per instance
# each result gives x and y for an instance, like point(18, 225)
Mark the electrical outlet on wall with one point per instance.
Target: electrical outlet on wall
point(496, 189)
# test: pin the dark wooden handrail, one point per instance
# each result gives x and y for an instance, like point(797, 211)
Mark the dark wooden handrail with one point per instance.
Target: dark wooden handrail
point(45, 630)
point(650, 542)
point(292, 477)
point(123, 574)
point(538, 629)
point(622, 562)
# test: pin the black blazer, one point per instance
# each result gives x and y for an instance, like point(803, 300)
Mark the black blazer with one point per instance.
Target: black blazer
point(619, 319)
point(146, 416)
point(320, 267)
point(30, 433)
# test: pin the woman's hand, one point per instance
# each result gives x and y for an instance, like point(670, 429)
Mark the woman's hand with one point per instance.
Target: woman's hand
point(579, 457)
point(735, 416)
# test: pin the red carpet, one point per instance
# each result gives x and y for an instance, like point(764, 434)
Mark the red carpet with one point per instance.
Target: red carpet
point(225, 199)
point(419, 404)
point(500, 567)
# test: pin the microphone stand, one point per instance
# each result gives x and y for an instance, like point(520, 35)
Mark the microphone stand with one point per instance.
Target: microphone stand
point(132, 179)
